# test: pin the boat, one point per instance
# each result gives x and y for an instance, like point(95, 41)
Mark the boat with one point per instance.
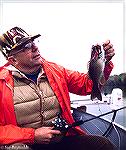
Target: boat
point(96, 125)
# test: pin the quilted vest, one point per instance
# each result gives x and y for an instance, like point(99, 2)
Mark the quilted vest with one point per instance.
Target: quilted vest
point(35, 105)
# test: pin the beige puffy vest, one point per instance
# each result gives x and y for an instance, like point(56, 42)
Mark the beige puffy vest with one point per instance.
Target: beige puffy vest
point(35, 105)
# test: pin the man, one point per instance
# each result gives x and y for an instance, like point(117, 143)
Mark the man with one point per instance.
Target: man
point(33, 90)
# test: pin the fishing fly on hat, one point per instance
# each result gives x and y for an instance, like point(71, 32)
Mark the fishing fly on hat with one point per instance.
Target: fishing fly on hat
point(13, 39)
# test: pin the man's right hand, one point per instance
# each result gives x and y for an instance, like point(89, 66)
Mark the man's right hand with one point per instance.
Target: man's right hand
point(44, 135)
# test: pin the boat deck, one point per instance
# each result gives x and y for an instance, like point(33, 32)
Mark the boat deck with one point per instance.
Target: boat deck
point(101, 126)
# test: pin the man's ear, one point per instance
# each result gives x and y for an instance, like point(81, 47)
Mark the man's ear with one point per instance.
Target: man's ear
point(12, 60)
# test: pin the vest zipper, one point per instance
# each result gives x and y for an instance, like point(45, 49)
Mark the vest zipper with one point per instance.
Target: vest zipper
point(41, 97)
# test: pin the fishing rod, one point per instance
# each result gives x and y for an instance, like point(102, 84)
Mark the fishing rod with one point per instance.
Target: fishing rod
point(60, 124)
point(112, 111)
point(80, 122)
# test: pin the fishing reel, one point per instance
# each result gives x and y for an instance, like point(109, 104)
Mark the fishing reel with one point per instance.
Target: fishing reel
point(60, 124)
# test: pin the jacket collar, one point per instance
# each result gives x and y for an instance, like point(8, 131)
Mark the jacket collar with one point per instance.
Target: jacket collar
point(7, 69)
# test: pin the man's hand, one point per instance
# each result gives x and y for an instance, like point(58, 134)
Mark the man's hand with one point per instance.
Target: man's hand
point(44, 135)
point(109, 51)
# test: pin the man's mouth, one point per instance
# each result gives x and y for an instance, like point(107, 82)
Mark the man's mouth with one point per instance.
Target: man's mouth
point(36, 56)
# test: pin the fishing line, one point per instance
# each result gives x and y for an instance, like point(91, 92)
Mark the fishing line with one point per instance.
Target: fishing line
point(101, 114)
point(118, 135)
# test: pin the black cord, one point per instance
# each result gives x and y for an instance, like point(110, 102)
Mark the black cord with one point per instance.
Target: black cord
point(110, 126)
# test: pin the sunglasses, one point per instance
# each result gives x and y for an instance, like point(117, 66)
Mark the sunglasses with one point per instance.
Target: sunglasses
point(26, 47)
point(29, 45)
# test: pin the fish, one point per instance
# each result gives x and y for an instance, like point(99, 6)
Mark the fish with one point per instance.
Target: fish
point(95, 71)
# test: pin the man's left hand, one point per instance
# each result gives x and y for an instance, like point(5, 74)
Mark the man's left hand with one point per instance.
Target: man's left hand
point(109, 50)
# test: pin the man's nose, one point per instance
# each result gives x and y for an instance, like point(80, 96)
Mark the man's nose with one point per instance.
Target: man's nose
point(34, 48)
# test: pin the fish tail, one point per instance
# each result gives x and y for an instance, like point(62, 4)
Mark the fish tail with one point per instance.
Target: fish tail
point(96, 94)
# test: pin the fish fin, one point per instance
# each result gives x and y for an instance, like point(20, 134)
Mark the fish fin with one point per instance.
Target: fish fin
point(96, 93)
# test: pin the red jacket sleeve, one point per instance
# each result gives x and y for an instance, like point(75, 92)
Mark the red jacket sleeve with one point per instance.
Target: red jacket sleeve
point(78, 83)
point(12, 134)
point(107, 70)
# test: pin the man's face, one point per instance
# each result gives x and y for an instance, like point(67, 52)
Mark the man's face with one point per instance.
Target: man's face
point(28, 56)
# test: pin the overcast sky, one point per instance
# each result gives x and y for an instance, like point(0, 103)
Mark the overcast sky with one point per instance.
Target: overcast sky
point(69, 29)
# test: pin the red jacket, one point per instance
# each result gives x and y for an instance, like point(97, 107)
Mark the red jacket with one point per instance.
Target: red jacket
point(62, 82)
